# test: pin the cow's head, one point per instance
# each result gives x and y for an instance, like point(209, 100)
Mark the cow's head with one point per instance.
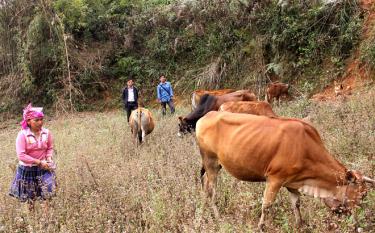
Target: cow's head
point(184, 126)
point(351, 194)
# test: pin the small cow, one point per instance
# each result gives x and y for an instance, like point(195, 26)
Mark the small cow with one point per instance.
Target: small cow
point(338, 88)
point(260, 108)
point(276, 90)
point(196, 95)
point(141, 124)
point(211, 103)
point(259, 148)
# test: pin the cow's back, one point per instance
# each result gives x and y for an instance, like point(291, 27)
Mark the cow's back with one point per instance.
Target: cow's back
point(197, 95)
point(252, 147)
point(260, 108)
point(241, 95)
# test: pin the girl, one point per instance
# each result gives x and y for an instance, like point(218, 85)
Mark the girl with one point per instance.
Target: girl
point(35, 177)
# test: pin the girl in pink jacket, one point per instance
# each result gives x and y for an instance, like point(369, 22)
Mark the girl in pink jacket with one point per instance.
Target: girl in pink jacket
point(35, 177)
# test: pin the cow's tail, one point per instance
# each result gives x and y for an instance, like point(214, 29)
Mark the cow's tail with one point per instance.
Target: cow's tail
point(139, 133)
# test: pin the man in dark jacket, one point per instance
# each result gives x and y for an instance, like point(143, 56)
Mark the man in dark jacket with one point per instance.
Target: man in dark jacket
point(130, 97)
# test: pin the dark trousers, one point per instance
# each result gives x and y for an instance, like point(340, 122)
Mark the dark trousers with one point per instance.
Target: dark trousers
point(129, 107)
point(164, 107)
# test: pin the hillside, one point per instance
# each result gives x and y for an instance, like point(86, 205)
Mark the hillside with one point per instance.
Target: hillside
point(76, 55)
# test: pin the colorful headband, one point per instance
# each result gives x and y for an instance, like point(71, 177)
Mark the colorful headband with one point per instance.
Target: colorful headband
point(29, 113)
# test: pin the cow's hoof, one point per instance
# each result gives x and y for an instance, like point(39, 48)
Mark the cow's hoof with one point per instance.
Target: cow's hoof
point(262, 227)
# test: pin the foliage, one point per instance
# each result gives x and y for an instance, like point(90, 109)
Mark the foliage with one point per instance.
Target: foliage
point(368, 50)
point(42, 61)
point(179, 38)
point(308, 36)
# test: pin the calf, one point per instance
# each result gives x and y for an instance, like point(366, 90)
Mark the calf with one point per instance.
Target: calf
point(338, 88)
point(276, 90)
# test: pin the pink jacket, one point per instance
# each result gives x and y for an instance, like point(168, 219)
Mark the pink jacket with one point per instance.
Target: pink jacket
point(29, 148)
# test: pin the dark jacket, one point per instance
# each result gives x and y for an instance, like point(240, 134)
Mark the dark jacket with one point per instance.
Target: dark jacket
point(125, 96)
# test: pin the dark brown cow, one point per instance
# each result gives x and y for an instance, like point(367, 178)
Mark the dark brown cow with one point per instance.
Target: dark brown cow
point(211, 103)
point(196, 95)
point(260, 108)
point(259, 148)
point(276, 90)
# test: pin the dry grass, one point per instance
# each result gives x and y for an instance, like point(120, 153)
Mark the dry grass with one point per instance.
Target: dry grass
point(107, 185)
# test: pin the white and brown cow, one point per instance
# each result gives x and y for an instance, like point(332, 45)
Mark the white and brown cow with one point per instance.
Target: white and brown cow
point(141, 124)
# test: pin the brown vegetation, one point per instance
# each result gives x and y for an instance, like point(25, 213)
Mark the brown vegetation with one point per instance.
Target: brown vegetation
point(107, 185)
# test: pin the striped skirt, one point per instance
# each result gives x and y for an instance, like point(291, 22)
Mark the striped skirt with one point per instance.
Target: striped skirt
point(31, 183)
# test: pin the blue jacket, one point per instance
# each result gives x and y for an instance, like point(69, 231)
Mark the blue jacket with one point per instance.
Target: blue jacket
point(165, 92)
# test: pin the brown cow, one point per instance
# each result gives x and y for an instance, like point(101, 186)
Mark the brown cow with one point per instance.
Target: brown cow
point(197, 95)
point(250, 107)
point(259, 148)
point(211, 103)
point(276, 90)
point(141, 124)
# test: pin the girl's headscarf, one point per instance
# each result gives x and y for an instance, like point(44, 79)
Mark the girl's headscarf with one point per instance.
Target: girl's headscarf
point(29, 113)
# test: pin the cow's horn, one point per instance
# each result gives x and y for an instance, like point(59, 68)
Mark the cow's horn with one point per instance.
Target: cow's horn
point(369, 180)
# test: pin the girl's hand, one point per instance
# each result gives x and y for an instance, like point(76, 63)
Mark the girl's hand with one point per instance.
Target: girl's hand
point(37, 162)
point(44, 165)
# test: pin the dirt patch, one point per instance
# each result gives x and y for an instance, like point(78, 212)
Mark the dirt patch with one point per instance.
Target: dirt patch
point(356, 73)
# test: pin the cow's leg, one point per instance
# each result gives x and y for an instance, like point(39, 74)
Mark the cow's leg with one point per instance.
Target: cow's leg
point(272, 187)
point(211, 168)
point(135, 134)
point(295, 199)
point(139, 136)
point(143, 134)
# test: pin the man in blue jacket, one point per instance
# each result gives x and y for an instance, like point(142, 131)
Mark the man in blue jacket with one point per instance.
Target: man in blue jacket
point(165, 95)
point(130, 97)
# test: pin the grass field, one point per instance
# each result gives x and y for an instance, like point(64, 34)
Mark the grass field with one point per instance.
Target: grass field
point(105, 184)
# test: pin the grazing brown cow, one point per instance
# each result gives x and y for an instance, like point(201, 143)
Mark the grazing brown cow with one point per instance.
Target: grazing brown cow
point(211, 103)
point(259, 148)
point(260, 108)
point(276, 90)
point(141, 124)
point(197, 95)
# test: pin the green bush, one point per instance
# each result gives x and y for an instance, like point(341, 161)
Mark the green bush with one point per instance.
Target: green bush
point(368, 50)
point(43, 59)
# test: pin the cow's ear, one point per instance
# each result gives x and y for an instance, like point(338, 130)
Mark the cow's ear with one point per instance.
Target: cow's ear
point(354, 176)
point(180, 119)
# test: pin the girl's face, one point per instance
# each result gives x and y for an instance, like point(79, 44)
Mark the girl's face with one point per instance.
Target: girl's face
point(35, 124)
